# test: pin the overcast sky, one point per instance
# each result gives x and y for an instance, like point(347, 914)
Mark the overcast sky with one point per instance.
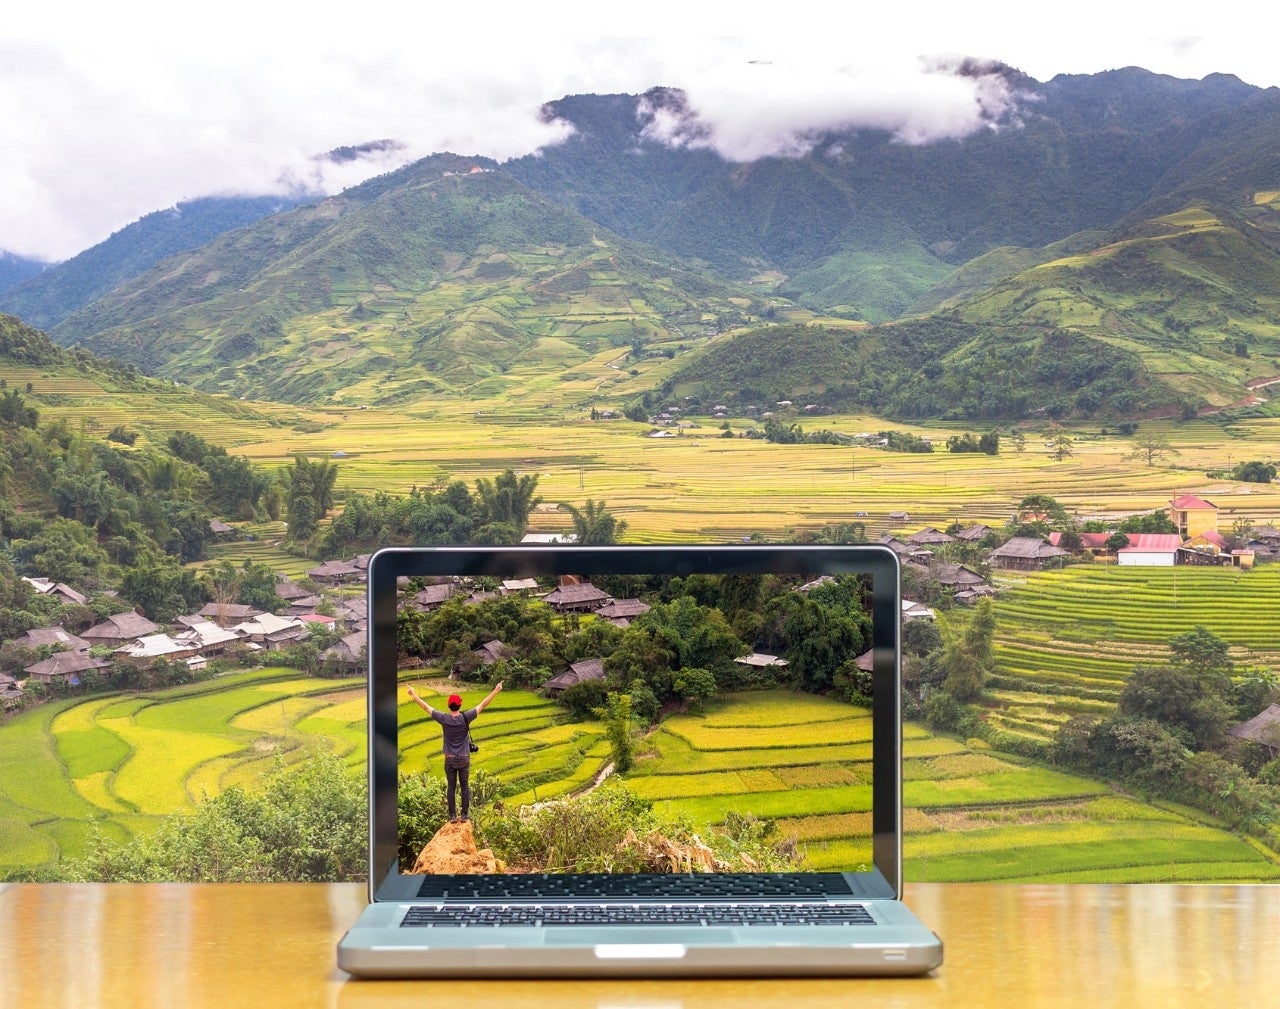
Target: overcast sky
point(110, 111)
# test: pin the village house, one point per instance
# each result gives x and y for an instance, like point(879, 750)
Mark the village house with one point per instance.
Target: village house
point(974, 533)
point(271, 631)
point(145, 650)
point(433, 597)
point(761, 660)
point(287, 591)
point(120, 629)
point(1150, 550)
point(10, 692)
point(930, 537)
point(354, 613)
point(302, 606)
point(208, 639)
point(957, 577)
point(511, 585)
point(621, 612)
point(912, 610)
point(1263, 728)
point(351, 652)
point(227, 614)
point(52, 637)
point(336, 573)
point(1025, 553)
point(1193, 515)
point(580, 598)
point(58, 590)
point(65, 667)
point(1094, 544)
point(578, 672)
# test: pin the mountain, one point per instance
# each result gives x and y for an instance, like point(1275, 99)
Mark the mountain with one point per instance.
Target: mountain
point(436, 277)
point(1166, 316)
point(1122, 218)
point(49, 297)
point(15, 269)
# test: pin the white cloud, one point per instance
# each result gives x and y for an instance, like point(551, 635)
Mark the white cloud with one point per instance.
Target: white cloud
point(111, 111)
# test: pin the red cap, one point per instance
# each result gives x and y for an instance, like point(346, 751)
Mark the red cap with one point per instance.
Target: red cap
point(455, 699)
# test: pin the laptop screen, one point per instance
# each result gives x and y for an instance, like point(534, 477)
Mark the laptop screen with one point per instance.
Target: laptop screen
point(664, 711)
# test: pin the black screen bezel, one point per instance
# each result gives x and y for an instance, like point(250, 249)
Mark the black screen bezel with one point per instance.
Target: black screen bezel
point(390, 564)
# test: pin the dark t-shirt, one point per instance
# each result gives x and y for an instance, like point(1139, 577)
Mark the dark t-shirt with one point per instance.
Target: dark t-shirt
point(455, 724)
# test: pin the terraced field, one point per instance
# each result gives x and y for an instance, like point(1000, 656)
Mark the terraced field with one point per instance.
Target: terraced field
point(1067, 640)
point(118, 763)
point(804, 763)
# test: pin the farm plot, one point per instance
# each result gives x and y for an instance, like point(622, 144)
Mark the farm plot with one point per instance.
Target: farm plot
point(1067, 640)
point(968, 814)
point(118, 763)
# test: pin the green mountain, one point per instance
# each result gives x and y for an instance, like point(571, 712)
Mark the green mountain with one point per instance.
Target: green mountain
point(50, 295)
point(430, 279)
point(15, 269)
point(1173, 314)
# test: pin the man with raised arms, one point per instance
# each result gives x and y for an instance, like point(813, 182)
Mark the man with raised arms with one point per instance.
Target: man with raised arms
point(457, 746)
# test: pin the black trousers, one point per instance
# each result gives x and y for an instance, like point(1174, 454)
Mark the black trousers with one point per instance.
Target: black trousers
point(453, 777)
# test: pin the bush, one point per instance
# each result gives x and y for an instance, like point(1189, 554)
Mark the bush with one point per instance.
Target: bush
point(582, 699)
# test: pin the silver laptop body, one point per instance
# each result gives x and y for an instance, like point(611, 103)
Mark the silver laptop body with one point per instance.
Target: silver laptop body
point(669, 924)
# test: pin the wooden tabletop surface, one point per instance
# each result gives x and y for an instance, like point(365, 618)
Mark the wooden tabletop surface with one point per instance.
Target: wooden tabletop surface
point(1016, 947)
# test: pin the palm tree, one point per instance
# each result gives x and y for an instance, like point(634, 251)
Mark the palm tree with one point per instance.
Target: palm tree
point(594, 525)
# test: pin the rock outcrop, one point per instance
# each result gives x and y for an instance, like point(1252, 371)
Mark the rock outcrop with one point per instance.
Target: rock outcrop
point(453, 851)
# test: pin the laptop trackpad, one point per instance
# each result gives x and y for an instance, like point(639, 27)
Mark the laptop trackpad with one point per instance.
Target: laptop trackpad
point(622, 936)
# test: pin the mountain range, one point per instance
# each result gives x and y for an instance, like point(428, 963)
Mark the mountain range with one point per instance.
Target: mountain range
point(1113, 249)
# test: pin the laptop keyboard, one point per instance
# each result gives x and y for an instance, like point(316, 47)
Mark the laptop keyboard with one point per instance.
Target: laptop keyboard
point(543, 915)
point(690, 887)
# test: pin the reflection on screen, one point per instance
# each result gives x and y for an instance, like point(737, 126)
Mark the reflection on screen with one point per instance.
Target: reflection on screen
point(645, 724)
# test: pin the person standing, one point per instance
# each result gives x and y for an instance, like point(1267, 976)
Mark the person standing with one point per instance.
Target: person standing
point(455, 724)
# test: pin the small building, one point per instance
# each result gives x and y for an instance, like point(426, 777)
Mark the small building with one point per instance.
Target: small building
point(433, 597)
point(1091, 543)
point(287, 591)
point(578, 672)
point(546, 539)
point(336, 573)
point(10, 692)
point(761, 660)
point(303, 605)
point(511, 585)
point(973, 533)
point(957, 576)
point(490, 652)
point(582, 597)
point(120, 629)
point(1263, 728)
point(219, 528)
point(209, 639)
point(144, 651)
point(930, 537)
point(1026, 553)
point(271, 631)
point(351, 652)
point(1158, 550)
point(912, 610)
point(622, 611)
point(1193, 515)
point(65, 667)
point(52, 637)
point(58, 590)
point(228, 614)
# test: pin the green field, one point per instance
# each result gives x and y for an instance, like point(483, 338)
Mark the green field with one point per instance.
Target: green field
point(969, 814)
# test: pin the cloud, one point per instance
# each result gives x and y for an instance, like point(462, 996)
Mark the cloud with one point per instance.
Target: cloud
point(111, 111)
point(761, 109)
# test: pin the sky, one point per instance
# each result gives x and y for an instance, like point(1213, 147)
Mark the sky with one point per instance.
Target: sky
point(111, 111)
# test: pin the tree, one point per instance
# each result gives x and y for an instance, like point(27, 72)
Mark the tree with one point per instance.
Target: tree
point(507, 499)
point(1177, 700)
point(308, 494)
point(616, 714)
point(594, 525)
point(1203, 653)
point(1152, 448)
point(1063, 447)
point(1254, 472)
point(969, 656)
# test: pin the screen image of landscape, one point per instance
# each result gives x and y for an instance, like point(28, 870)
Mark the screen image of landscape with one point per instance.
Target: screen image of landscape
point(738, 767)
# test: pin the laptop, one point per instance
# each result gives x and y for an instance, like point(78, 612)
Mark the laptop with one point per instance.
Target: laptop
point(759, 737)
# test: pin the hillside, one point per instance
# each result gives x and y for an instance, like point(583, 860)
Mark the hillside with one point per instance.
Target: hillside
point(1172, 314)
point(1081, 153)
point(49, 297)
point(15, 269)
point(429, 279)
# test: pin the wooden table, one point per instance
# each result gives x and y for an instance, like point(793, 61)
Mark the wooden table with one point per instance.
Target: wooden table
point(1016, 947)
